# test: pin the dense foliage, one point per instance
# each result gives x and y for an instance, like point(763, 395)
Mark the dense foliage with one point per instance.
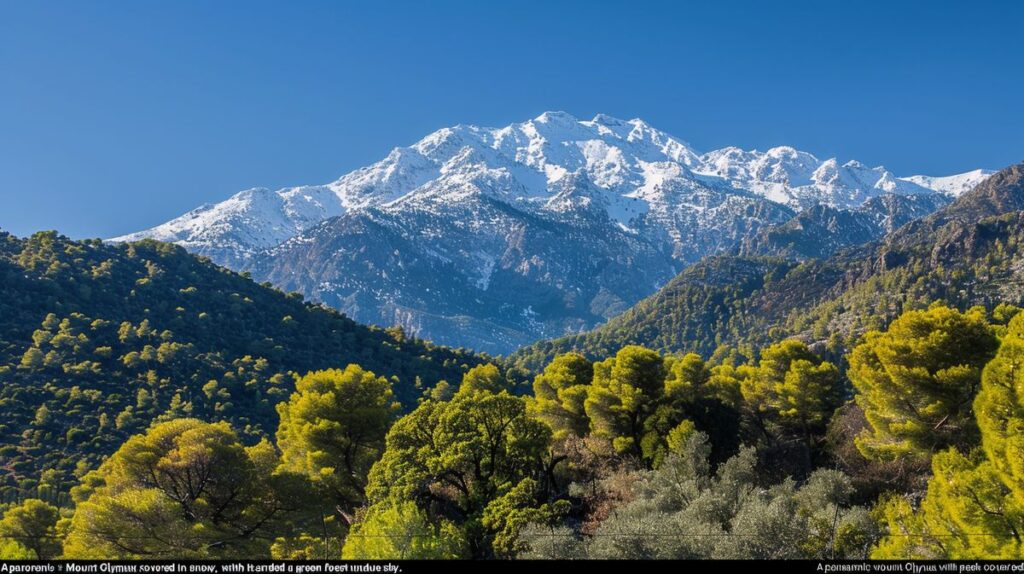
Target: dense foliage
point(974, 505)
point(332, 430)
point(184, 489)
point(473, 464)
point(640, 455)
point(97, 341)
point(686, 509)
point(29, 530)
point(916, 381)
point(601, 449)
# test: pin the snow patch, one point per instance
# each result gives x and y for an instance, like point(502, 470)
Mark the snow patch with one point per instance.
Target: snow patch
point(552, 164)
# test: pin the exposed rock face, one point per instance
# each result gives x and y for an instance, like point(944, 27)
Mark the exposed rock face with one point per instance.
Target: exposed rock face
point(493, 238)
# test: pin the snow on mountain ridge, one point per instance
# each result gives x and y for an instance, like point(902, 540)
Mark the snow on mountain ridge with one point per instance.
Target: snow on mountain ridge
point(625, 163)
point(952, 185)
point(801, 180)
point(495, 237)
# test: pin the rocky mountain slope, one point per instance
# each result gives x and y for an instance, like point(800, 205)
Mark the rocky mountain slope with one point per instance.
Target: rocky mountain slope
point(821, 230)
point(495, 237)
point(967, 253)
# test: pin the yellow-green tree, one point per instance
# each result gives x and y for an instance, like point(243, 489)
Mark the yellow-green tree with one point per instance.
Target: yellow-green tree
point(974, 507)
point(967, 513)
point(486, 377)
point(626, 390)
point(687, 378)
point(999, 408)
point(726, 382)
point(693, 397)
point(507, 515)
point(792, 388)
point(184, 489)
point(332, 430)
point(32, 525)
point(916, 381)
point(559, 394)
point(455, 459)
point(11, 549)
point(401, 531)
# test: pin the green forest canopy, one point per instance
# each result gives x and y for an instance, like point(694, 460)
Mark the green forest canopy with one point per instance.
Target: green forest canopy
point(99, 340)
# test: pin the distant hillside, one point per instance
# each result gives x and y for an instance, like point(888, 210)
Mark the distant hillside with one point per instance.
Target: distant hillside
point(967, 253)
point(821, 231)
point(99, 340)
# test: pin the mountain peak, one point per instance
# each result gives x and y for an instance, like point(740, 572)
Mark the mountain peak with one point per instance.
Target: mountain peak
point(556, 117)
point(951, 185)
point(783, 151)
point(498, 236)
point(1002, 192)
point(606, 120)
point(626, 160)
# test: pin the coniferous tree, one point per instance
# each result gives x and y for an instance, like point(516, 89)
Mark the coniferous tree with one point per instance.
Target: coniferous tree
point(967, 513)
point(460, 460)
point(185, 489)
point(32, 525)
point(974, 506)
point(332, 430)
point(792, 388)
point(916, 381)
point(999, 408)
point(559, 394)
point(485, 377)
point(625, 391)
point(401, 531)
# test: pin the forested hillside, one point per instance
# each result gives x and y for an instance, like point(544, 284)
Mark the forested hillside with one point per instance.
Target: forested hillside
point(967, 253)
point(640, 455)
point(97, 341)
point(860, 406)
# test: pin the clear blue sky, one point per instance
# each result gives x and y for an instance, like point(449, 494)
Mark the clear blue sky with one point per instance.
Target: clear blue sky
point(115, 116)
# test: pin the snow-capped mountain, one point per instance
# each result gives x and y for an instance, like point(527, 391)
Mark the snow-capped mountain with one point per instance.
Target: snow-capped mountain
point(800, 180)
point(952, 185)
point(493, 237)
point(233, 231)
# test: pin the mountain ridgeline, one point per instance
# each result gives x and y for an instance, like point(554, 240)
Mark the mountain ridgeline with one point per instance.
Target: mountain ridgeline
point(821, 230)
point(493, 238)
point(967, 253)
point(99, 340)
point(157, 405)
